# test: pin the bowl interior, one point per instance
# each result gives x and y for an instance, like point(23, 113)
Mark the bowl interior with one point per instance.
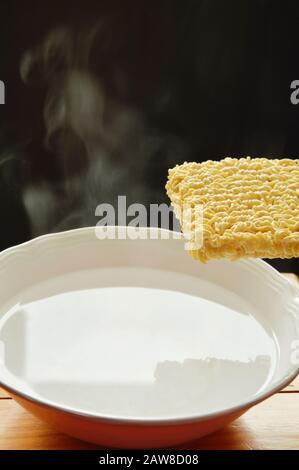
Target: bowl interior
point(128, 329)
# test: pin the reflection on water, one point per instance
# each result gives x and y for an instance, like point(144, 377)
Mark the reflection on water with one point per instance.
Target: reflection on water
point(194, 386)
point(13, 342)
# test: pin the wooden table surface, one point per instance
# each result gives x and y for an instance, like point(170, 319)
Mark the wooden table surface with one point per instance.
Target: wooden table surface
point(273, 424)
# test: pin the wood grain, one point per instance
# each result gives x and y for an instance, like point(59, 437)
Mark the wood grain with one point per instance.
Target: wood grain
point(274, 424)
point(20, 430)
point(293, 387)
point(3, 394)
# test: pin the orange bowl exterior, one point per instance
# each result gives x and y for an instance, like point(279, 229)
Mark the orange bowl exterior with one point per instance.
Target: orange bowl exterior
point(126, 435)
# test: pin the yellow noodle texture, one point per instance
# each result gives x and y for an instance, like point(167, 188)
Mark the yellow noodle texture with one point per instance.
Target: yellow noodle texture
point(250, 206)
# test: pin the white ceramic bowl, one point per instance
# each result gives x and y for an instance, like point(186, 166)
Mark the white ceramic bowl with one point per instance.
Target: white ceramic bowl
point(131, 343)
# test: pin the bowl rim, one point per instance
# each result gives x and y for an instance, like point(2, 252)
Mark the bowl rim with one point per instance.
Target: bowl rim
point(149, 421)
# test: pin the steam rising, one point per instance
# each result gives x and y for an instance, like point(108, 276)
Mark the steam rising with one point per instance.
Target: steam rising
point(105, 147)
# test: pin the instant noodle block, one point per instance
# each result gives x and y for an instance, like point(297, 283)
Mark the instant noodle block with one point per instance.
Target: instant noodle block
point(249, 207)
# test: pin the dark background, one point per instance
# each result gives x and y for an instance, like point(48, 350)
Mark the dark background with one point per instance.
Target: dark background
point(202, 80)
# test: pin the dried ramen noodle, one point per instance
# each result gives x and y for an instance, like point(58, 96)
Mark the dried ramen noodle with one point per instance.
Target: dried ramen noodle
point(250, 206)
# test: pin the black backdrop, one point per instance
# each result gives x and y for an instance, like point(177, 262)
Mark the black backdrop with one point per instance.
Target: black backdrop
point(209, 78)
